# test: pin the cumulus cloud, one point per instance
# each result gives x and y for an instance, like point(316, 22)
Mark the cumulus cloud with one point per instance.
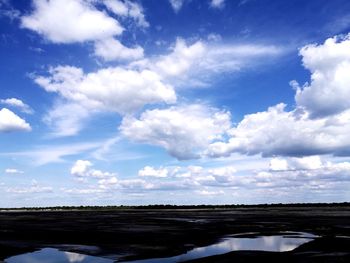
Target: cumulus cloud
point(303, 173)
point(299, 177)
point(82, 168)
point(278, 164)
point(107, 183)
point(113, 89)
point(127, 9)
point(183, 130)
point(328, 91)
point(181, 58)
point(304, 163)
point(69, 21)
point(310, 172)
point(9, 122)
point(17, 103)
point(192, 177)
point(111, 49)
point(286, 133)
point(318, 125)
point(150, 171)
point(118, 89)
point(217, 3)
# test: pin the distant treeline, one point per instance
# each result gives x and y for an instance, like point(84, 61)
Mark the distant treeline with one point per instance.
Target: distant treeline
point(167, 206)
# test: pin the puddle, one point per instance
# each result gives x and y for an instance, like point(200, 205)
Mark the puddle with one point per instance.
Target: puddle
point(52, 255)
point(277, 243)
point(244, 241)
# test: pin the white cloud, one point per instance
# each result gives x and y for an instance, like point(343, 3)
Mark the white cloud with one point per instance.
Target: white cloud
point(278, 164)
point(176, 4)
point(105, 148)
point(329, 64)
point(9, 122)
point(183, 130)
point(304, 163)
point(71, 21)
point(87, 191)
point(210, 193)
point(180, 59)
point(134, 184)
point(34, 187)
point(198, 62)
point(231, 57)
point(107, 183)
point(318, 173)
point(191, 177)
point(17, 104)
point(111, 49)
point(112, 89)
point(82, 168)
point(310, 172)
point(308, 175)
point(278, 132)
point(152, 172)
point(61, 120)
point(117, 89)
point(127, 9)
point(68, 21)
point(45, 154)
point(217, 3)
point(13, 171)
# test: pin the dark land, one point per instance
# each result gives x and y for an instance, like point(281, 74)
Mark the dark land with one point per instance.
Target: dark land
point(130, 233)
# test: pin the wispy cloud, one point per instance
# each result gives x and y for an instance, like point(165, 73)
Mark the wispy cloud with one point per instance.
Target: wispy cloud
point(46, 154)
point(17, 103)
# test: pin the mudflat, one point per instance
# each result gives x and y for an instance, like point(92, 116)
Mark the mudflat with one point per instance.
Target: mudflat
point(127, 234)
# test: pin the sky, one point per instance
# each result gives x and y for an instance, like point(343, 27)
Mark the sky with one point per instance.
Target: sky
point(131, 102)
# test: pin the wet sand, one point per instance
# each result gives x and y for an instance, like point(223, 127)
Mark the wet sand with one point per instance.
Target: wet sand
point(130, 234)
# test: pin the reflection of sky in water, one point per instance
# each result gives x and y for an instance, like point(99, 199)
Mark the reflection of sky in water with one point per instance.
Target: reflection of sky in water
point(51, 255)
point(278, 243)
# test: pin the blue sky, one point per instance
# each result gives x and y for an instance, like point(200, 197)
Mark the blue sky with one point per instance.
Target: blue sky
point(109, 102)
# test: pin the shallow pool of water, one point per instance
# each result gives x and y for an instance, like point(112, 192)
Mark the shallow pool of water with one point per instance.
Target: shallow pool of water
point(246, 241)
point(52, 255)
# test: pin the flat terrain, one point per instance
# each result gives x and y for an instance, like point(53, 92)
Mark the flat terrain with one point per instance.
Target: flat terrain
point(130, 234)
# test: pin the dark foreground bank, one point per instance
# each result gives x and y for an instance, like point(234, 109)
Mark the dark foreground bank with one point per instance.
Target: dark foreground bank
point(139, 233)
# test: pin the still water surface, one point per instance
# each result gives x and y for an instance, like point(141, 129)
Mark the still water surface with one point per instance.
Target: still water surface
point(52, 255)
point(276, 243)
